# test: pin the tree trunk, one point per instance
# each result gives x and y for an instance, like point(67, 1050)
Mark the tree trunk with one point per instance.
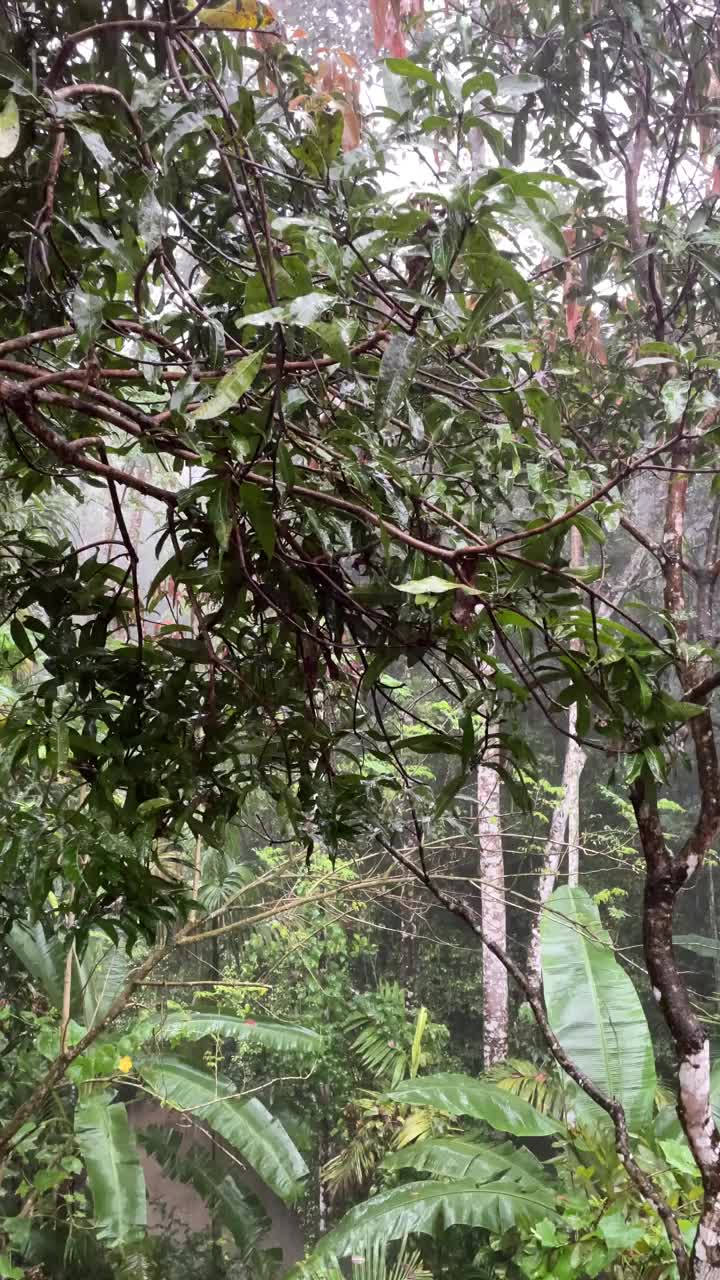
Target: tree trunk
point(492, 899)
point(554, 849)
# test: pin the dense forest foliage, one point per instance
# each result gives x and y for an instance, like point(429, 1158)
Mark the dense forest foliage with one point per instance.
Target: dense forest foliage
point(359, 545)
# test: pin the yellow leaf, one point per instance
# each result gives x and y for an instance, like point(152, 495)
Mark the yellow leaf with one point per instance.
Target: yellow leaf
point(239, 15)
point(125, 1065)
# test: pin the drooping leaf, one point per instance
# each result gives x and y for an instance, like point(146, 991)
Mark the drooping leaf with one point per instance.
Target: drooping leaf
point(593, 1007)
point(96, 145)
point(9, 127)
point(231, 387)
point(458, 1158)
point(243, 1122)
point(459, 1095)
point(115, 1175)
point(87, 315)
point(43, 957)
point(194, 1025)
point(697, 943)
point(260, 511)
point(430, 1208)
point(238, 15)
point(97, 978)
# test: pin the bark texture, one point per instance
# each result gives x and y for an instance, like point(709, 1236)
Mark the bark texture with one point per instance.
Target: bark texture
point(492, 898)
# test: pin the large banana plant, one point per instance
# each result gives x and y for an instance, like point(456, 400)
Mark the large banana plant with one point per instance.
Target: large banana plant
point(475, 1179)
point(103, 1133)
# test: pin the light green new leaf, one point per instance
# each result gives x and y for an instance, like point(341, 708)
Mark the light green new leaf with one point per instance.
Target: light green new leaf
point(271, 1035)
point(593, 1007)
point(115, 1176)
point(243, 1122)
point(9, 127)
point(429, 1208)
point(230, 388)
point(459, 1095)
point(457, 1158)
point(431, 586)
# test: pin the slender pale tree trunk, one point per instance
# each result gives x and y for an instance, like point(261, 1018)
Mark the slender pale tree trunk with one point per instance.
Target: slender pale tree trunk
point(492, 900)
point(575, 753)
point(555, 847)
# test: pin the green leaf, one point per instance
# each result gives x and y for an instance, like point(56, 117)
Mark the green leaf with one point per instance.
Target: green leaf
point(151, 221)
point(260, 512)
point(302, 311)
point(412, 71)
point(675, 397)
point(519, 85)
point(21, 639)
point(278, 1036)
point(43, 957)
point(9, 127)
point(399, 362)
point(457, 1158)
point(330, 337)
point(679, 1157)
point(98, 977)
point(431, 586)
point(243, 1122)
point(87, 311)
point(430, 1208)
point(593, 1007)
point(99, 151)
point(546, 411)
point(115, 1176)
point(459, 1095)
point(221, 515)
point(231, 387)
point(697, 943)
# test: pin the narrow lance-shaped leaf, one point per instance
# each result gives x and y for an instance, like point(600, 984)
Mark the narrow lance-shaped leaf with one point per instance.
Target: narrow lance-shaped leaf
point(230, 388)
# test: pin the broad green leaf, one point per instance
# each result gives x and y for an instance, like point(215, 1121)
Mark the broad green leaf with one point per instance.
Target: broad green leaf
point(302, 311)
point(235, 1206)
point(97, 978)
point(278, 1036)
point(115, 1176)
point(696, 942)
point(430, 1208)
point(412, 71)
point(593, 1007)
point(87, 311)
point(232, 387)
point(9, 127)
point(243, 1122)
point(398, 365)
point(238, 15)
point(43, 957)
point(260, 512)
point(459, 1095)
point(458, 1158)
point(679, 1156)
